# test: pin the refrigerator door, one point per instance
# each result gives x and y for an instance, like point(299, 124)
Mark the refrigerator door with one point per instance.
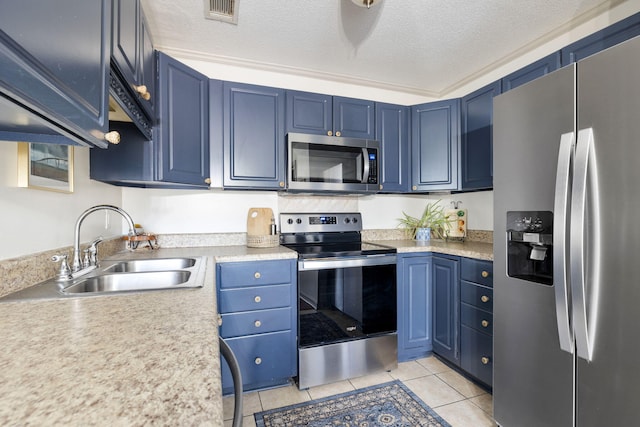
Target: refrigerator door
point(609, 104)
point(533, 381)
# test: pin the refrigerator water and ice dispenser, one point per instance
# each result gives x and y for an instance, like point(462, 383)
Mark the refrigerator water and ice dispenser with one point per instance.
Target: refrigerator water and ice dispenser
point(530, 246)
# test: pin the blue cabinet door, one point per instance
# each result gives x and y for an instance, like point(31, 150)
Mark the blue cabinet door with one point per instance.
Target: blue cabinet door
point(414, 306)
point(532, 71)
point(183, 98)
point(254, 138)
point(392, 130)
point(476, 161)
point(435, 144)
point(133, 62)
point(603, 39)
point(446, 310)
point(54, 58)
point(321, 114)
point(309, 113)
point(353, 117)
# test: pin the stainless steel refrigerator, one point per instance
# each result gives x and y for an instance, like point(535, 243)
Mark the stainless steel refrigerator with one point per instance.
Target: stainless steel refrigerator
point(567, 246)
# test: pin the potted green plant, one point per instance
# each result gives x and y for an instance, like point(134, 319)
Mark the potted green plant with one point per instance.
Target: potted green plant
point(432, 220)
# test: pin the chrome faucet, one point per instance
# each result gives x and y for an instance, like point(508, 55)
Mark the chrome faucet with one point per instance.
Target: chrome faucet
point(77, 263)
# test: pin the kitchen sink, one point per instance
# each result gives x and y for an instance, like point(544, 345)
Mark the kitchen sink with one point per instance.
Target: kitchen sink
point(129, 282)
point(121, 276)
point(160, 264)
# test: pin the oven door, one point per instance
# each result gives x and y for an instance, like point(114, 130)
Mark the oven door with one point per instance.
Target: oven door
point(346, 298)
point(319, 163)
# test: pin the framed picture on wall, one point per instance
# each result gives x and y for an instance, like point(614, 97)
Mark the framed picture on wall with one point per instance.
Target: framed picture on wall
point(45, 166)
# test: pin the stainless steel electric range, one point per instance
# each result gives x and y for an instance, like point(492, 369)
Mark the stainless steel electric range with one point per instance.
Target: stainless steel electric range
point(347, 311)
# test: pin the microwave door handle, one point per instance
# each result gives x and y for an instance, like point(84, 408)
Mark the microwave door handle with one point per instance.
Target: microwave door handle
point(365, 161)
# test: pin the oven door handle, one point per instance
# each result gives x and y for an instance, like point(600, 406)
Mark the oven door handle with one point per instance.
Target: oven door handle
point(345, 262)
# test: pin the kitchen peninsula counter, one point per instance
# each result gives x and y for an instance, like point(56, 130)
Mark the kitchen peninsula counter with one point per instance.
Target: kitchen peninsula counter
point(127, 359)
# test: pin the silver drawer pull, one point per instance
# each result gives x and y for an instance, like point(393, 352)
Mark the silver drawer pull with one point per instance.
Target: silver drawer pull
point(484, 298)
point(257, 298)
point(257, 275)
point(258, 361)
point(257, 323)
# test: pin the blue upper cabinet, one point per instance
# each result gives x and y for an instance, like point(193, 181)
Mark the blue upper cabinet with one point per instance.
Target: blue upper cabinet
point(603, 39)
point(353, 117)
point(183, 98)
point(476, 162)
point(253, 136)
point(435, 144)
point(54, 58)
point(132, 51)
point(309, 113)
point(321, 114)
point(392, 130)
point(532, 71)
point(178, 154)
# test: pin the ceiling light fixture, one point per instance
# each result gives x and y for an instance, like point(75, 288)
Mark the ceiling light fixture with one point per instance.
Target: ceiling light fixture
point(365, 3)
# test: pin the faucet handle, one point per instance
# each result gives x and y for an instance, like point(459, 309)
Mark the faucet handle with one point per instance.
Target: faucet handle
point(92, 257)
point(65, 271)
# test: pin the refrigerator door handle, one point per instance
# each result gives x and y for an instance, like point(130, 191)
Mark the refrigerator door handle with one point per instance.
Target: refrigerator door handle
point(560, 224)
point(585, 245)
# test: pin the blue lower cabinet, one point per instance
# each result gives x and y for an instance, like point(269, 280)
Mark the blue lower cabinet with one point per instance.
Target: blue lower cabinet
point(476, 319)
point(477, 354)
point(257, 303)
point(446, 310)
point(263, 359)
point(414, 306)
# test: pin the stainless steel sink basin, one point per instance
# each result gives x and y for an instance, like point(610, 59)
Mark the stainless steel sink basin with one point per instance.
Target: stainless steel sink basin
point(129, 282)
point(160, 264)
point(121, 276)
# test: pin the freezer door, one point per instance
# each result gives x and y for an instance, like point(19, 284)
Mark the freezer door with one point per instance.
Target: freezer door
point(609, 104)
point(533, 378)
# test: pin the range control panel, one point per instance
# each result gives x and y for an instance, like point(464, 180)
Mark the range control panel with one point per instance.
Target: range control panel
point(310, 222)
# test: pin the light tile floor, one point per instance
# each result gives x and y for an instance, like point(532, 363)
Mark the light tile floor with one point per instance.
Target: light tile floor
point(453, 397)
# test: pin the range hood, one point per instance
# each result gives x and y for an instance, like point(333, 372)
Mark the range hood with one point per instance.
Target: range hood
point(123, 107)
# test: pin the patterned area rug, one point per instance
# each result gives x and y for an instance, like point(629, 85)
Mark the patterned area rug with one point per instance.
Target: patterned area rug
point(388, 404)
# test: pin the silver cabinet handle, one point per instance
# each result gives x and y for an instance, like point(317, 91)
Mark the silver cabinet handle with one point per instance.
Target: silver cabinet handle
point(585, 202)
point(560, 215)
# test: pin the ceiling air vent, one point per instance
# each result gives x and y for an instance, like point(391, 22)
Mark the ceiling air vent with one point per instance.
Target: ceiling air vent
point(222, 10)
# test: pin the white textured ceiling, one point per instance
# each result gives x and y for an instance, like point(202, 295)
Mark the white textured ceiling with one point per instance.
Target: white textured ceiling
point(425, 47)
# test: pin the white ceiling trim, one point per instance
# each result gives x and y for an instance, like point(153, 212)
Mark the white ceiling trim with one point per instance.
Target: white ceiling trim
point(278, 68)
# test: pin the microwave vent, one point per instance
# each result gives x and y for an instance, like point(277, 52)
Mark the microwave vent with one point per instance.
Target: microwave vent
point(221, 10)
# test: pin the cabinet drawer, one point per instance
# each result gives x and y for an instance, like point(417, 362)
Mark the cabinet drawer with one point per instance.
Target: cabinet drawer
point(477, 319)
point(255, 322)
point(479, 296)
point(476, 350)
point(255, 298)
point(266, 359)
point(238, 274)
point(476, 270)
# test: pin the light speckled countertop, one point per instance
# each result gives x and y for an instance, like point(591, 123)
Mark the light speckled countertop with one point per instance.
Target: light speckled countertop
point(134, 359)
point(470, 249)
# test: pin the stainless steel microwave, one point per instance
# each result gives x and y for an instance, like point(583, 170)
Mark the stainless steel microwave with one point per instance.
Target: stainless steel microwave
point(332, 164)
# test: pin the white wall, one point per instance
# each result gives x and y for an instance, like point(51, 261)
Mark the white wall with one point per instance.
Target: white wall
point(37, 220)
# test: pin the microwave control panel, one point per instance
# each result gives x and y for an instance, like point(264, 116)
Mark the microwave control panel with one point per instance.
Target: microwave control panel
point(373, 168)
